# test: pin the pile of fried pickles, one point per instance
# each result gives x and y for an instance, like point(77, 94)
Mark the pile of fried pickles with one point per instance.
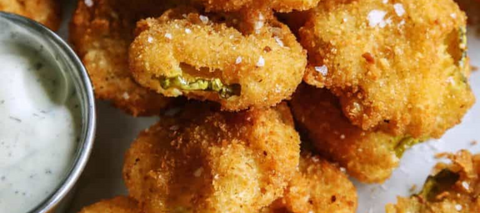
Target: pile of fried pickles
point(265, 106)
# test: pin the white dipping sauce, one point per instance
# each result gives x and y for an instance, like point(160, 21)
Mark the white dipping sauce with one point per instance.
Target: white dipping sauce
point(39, 127)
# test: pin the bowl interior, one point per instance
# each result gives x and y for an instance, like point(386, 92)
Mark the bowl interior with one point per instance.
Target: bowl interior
point(77, 84)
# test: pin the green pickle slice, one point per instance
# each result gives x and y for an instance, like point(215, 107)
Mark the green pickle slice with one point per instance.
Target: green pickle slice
point(437, 184)
point(213, 85)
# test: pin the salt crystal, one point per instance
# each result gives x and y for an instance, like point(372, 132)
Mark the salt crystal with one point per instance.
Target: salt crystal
point(239, 60)
point(399, 10)
point(259, 24)
point(89, 3)
point(279, 41)
point(168, 35)
point(188, 31)
point(322, 70)
point(126, 96)
point(204, 19)
point(465, 185)
point(458, 207)
point(198, 172)
point(375, 18)
point(261, 62)
point(150, 39)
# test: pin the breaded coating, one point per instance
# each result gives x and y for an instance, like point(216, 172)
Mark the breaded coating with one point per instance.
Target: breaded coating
point(203, 160)
point(277, 5)
point(203, 58)
point(319, 187)
point(369, 156)
point(46, 12)
point(452, 188)
point(400, 66)
point(120, 204)
point(101, 33)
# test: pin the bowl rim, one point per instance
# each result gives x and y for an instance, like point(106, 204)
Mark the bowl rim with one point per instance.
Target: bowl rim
point(84, 149)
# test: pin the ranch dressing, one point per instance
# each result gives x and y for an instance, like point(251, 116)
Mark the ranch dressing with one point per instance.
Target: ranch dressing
point(39, 127)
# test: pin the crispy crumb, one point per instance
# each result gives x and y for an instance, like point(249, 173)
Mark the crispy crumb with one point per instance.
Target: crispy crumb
point(474, 68)
point(369, 58)
point(413, 188)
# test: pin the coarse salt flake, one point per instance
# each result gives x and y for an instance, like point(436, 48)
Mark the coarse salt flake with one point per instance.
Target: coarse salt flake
point(458, 207)
point(188, 31)
point(204, 19)
point(261, 62)
point(465, 185)
point(198, 172)
point(375, 18)
point(89, 3)
point(322, 70)
point(453, 15)
point(279, 41)
point(385, 1)
point(259, 24)
point(238, 60)
point(399, 10)
point(150, 39)
point(168, 35)
point(126, 96)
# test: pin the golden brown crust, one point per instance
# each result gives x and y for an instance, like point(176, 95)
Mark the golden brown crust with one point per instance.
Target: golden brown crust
point(47, 12)
point(213, 161)
point(368, 156)
point(277, 5)
point(120, 204)
point(398, 66)
point(458, 195)
point(318, 186)
point(265, 66)
point(101, 34)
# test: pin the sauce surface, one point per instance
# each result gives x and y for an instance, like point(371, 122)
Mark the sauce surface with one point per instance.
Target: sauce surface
point(39, 127)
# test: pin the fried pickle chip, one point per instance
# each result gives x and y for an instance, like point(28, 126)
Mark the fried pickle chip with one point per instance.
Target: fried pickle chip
point(201, 58)
point(101, 33)
point(400, 66)
point(210, 161)
point(318, 186)
point(277, 5)
point(46, 12)
point(452, 188)
point(118, 204)
point(369, 156)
